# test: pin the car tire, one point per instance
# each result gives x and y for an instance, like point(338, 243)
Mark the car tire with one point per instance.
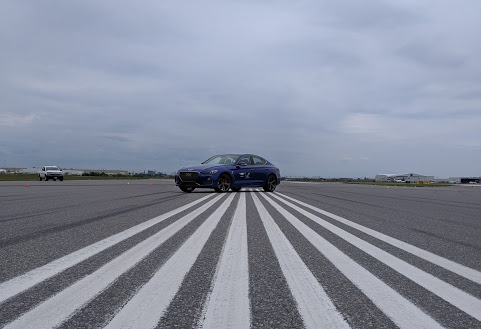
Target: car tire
point(223, 183)
point(236, 189)
point(55, 178)
point(186, 189)
point(271, 184)
point(61, 179)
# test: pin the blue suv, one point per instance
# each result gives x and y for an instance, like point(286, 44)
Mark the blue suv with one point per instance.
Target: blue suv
point(229, 172)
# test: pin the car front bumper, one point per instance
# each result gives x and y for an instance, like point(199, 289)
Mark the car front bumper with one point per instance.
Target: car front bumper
point(199, 181)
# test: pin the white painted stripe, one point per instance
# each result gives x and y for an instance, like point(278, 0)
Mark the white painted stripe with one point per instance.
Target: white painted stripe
point(146, 308)
point(315, 306)
point(454, 267)
point(462, 300)
point(402, 312)
point(228, 304)
point(61, 306)
point(25, 281)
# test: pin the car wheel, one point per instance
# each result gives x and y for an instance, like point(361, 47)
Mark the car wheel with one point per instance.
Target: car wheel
point(223, 183)
point(55, 178)
point(61, 179)
point(235, 189)
point(186, 189)
point(271, 184)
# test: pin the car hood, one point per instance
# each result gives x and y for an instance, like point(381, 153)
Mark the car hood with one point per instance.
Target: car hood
point(202, 167)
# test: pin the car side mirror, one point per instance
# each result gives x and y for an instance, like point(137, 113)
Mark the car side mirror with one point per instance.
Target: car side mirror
point(241, 164)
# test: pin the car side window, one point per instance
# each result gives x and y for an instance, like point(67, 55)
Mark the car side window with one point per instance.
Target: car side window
point(246, 159)
point(258, 161)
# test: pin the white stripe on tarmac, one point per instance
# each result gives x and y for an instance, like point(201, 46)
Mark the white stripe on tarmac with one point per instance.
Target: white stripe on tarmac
point(62, 306)
point(464, 271)
point(25, 281)
point(453, 295)
point(313, 303)
point(146, 308)
point(228, 305)
point(399, 309)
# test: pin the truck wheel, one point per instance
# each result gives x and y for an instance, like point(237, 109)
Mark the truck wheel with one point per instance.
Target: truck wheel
point(55, 178)
point(61, 179)
point(40, 177)
point(46, 178)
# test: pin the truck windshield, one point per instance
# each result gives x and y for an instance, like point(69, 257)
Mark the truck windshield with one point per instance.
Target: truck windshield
point(52, 168)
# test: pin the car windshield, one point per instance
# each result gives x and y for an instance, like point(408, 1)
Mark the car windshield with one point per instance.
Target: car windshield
point(53, 168)
point(223, 159)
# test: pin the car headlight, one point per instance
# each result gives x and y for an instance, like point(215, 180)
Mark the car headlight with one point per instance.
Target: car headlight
point(210, 172)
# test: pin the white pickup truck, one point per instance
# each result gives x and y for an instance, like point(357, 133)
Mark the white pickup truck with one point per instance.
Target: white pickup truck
point(53, 172)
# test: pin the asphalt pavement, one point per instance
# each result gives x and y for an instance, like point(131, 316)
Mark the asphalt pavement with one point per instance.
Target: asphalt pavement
point(143, 254)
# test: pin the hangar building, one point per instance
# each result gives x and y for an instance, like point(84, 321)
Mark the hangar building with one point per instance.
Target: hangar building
point(465, 180)
point(405, 178)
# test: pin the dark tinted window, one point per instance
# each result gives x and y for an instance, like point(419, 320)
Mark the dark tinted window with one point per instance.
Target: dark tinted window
point(246, 159)
point(258, 160)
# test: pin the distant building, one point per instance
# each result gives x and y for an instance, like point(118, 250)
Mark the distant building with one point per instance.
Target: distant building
point(465, 180)
point(73, 172)
point(151, 172)
point(28, 170)
point(405, 178)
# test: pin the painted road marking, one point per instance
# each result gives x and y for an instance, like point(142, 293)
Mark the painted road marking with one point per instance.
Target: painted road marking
point(228, 304)
point(23, 282)
point(146, 308)
point(315, 306)
point(455, 296)
point(449, 265)
point(63, 305)
point(401, 311)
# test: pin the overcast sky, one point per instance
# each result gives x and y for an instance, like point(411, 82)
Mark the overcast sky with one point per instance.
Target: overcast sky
point(320, 88)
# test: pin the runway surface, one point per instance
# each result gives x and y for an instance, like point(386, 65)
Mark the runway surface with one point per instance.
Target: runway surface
point(119, 254)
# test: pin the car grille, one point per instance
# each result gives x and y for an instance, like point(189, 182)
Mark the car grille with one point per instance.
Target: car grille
point(189, 176)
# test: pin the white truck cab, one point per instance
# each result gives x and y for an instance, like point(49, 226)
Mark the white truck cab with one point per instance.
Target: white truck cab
point(53, 172)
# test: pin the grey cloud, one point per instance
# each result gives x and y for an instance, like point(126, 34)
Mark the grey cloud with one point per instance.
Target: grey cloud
point(156, 85)
point(432, 54)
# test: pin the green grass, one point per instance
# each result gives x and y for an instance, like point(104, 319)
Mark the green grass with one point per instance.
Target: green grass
point(18, 177)
point(399, 184)
point(34, 177)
